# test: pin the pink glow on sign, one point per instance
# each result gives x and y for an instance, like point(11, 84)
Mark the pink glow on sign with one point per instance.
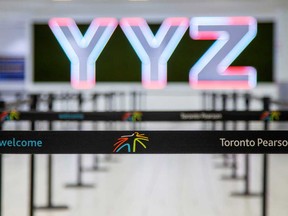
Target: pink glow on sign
point(209, 85)
point(242, 21)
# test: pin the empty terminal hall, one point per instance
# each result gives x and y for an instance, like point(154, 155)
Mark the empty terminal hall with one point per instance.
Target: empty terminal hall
point(143, 108)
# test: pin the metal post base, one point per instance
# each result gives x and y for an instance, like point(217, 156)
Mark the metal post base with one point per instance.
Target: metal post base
point(51, 207)
point(246, 194)
point(232, 178)
point(79, 185)
point(97, 169)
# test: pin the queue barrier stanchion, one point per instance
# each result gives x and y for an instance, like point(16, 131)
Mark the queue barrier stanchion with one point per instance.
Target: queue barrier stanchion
point(109, 107)
point(96, 161)
point(213, 108)
point(18, 96)
point(50, 205)
point(95, 99)
point(2, 106)
point(234, 101)
point(225, 163)
point(139, 107)
point(224, 106)
point(134, 107)
point(234, 165)
point(135, 104)
point(31, 204)
point(95, 166)
point(266, 107)
point(79, 181)
point(214, 97)
point(246, 192)
point(33, 107)
point(204, 105)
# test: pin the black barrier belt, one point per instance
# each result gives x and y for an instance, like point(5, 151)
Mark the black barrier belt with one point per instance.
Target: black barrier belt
point(147, 142)
point(149, 116)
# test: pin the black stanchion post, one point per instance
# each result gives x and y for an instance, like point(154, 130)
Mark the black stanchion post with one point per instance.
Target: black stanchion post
point(79, 183)
point(50, 173)
point(225, 163)
point(134, 100)
point(224, 105)
point(234, 164)
point(2, 107)
point(214, 96)
point(80, 103)
point(31, 205)
point(139, 107)
point(266, 107)
point(134, 107)
point(95, 166)
point(33, 107)
point(247, 192)
point(204, 105)
point(49, 188)
point(109, 107)
point(18, 97)
point(95, 107)
point(234, 100)
point(96, 157)
point(234, 156)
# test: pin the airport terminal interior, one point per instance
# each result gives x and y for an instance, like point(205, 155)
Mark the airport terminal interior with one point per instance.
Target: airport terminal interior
point(141, 66)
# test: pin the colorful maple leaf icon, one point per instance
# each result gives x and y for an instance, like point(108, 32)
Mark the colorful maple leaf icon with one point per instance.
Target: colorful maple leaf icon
point(130, 142)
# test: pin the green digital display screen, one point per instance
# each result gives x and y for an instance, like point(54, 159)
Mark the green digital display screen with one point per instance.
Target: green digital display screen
point(118, 61)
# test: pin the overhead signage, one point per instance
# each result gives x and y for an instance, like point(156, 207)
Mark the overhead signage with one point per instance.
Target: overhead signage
point(212, 71)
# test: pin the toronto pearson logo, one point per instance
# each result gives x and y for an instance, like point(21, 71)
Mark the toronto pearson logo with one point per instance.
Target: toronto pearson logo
point(131, 142)
point(9, 115)
point(270, 116)
point(132, 116)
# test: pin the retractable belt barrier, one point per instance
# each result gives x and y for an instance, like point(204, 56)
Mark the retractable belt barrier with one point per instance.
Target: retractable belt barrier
point(154, 116)
point(155, 142)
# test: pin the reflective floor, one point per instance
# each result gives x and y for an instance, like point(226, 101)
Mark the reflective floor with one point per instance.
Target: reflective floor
point(145, 185)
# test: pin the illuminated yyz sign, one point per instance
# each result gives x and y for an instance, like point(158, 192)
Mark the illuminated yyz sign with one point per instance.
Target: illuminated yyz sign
point(213, 70)
point(232, 35)
point(83, 51)
point(154, 51)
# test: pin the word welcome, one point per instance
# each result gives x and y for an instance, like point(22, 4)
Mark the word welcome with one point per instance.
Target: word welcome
point(21, 143)
point(211, 71)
